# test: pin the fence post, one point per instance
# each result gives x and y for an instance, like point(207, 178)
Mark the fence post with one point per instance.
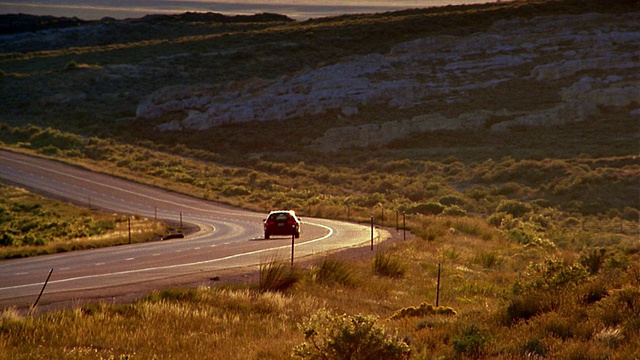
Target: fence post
point(404, 226)
point(438, 288)
point(292, 247)
point(371, 232)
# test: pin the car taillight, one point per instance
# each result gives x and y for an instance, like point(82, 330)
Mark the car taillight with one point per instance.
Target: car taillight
point(291, 222)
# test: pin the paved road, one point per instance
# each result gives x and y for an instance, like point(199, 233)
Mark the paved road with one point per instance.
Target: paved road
point(226, 238)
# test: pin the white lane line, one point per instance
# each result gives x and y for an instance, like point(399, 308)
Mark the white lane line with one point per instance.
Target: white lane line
point(177, 265)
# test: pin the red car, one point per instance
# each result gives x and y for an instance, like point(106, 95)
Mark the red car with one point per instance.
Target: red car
point(282, 222)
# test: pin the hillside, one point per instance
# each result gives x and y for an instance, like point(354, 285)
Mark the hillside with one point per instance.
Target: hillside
point(370, 81)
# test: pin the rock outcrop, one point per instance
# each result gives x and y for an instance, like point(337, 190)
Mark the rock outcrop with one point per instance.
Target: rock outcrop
point(585, 62)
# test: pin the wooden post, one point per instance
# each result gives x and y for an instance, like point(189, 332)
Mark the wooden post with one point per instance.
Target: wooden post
point(129, 226)
point(438, 288)
point(293, 237)
point(404, 226)
point(41, 291)
point(372, 232)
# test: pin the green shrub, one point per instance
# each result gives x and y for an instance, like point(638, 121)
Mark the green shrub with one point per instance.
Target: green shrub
point(470, 341)
point(7, 240)
point(593, 260)
point(524, 307)
point(430, 208)
point(514, 207)
point(454, 210)
point(533, 348)
point(552, 275)
point(348, 337)
point(386, 265)
point(631, 214)
point(234, 190)
point(72, 65)
point(488, 260)
point(450, 200)
point(277, 276)
point(593, 292)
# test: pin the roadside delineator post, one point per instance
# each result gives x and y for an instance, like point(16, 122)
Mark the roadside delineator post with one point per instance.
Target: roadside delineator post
point(292, 246)
point(371, 232)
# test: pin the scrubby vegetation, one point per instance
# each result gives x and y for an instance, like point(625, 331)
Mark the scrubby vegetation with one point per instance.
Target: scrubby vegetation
point(33, 225)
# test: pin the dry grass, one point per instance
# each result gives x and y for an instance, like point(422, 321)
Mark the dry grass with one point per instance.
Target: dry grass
point(587, 316)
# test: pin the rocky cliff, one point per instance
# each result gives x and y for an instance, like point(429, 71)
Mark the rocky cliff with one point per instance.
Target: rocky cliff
point(538, 72)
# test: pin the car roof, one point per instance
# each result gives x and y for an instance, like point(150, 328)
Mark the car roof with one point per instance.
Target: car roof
point(283, 211)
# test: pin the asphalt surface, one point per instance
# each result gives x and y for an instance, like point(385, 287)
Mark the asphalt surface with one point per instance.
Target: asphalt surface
point(226, 238)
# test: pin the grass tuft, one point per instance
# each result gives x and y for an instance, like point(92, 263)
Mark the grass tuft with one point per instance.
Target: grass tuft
point(277, 276)
point(384, 264)
point(332, 270)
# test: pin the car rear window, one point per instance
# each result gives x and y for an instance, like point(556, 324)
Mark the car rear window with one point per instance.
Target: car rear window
point(279, 216)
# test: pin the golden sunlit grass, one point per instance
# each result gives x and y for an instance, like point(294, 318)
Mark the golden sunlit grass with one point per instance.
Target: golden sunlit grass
point(482, 308)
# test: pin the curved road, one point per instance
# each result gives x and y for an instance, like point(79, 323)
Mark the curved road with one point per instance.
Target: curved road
point(227, 238)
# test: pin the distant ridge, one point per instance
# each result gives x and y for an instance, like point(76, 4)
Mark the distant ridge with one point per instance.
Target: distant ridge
point(21, 23)
point(215, 17)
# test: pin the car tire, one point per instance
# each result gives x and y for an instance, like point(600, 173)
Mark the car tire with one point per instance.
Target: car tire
point(266, 236)
point(297, 235)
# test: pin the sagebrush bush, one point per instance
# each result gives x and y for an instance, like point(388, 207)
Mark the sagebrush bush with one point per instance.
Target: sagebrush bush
point(470, 340)
point(347, 337)
point(514, 208)
point(526, 306)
